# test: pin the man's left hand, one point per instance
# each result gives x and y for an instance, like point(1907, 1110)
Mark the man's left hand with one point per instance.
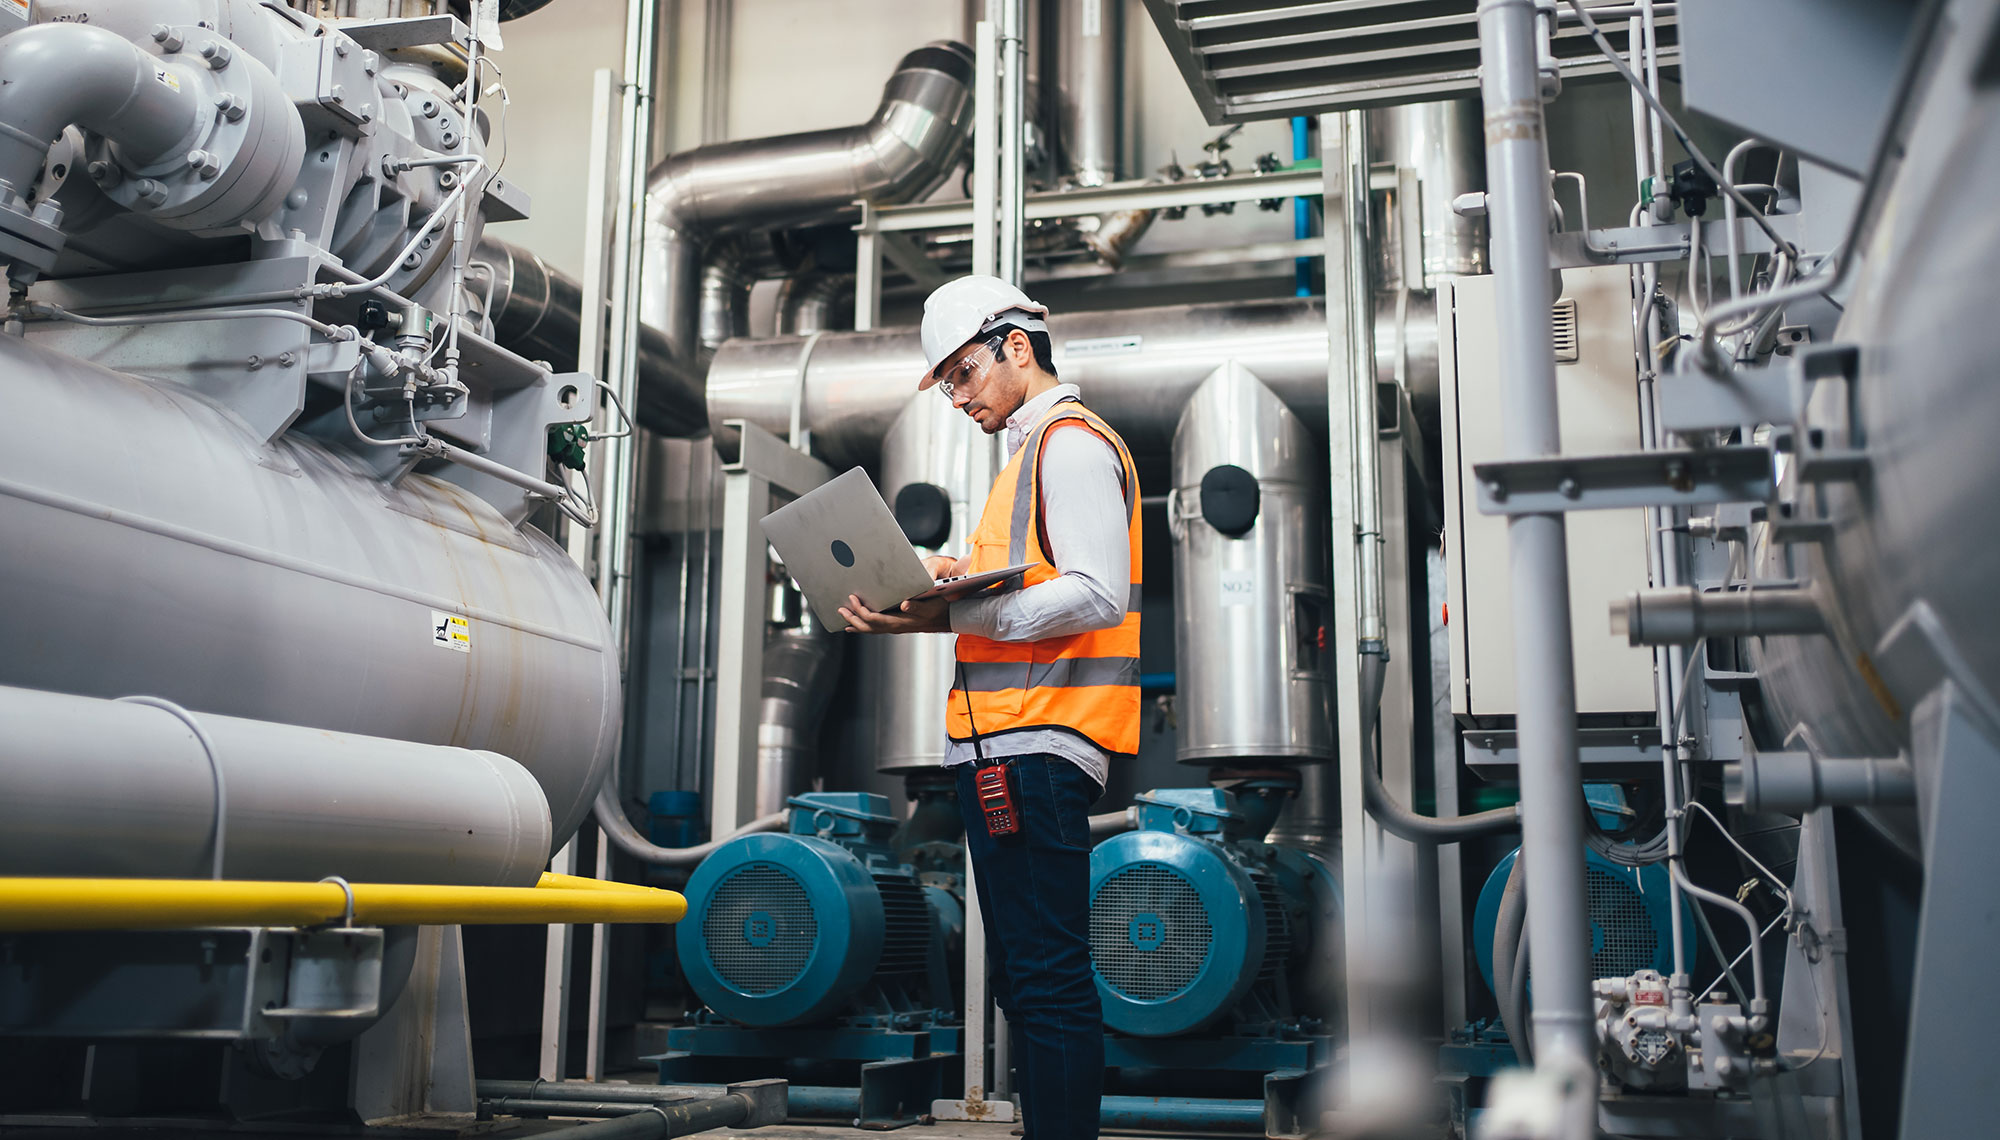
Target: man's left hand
point(931, 615)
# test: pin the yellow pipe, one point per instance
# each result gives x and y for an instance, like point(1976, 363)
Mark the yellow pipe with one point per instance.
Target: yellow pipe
point(158, 904)
point(579, 883)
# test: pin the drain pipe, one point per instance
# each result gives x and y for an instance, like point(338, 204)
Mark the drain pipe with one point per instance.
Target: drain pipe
point(1517, 167)
point(63, 73)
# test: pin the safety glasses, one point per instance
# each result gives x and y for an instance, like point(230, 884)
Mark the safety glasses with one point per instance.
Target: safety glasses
point(972, 367)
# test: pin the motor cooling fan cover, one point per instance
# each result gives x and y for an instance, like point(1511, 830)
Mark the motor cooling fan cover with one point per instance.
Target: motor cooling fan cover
point(780, 929)
point(1177, 932)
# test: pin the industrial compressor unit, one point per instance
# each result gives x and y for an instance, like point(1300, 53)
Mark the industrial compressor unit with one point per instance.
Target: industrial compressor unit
point(817, 951)
point(1216, 953)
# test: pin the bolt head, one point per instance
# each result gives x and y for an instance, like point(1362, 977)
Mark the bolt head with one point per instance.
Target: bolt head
point(204, 164)
point(1569, 489)
point(168, 39)
point(340, 49)
point(102, 171)
point(215, 54)
point(232, 107)
point(150, 192)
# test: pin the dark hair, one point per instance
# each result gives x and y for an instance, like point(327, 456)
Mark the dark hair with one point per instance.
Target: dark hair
point(1038, 342)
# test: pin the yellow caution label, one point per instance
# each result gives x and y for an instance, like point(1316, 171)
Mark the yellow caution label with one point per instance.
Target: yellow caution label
point(167, 78)
point(451, 631)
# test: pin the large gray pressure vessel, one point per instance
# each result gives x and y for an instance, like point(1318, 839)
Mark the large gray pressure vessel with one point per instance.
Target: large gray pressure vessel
point(155, 546)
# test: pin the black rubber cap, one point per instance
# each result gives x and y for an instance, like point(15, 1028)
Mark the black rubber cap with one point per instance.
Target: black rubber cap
point(948, 56)
point(923, 510)
point(1229, 499)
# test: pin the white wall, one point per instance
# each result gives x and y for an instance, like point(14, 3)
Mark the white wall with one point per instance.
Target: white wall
point(805, 65)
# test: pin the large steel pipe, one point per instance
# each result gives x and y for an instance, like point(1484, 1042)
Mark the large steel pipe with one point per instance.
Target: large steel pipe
point(537, 311)
point(111, 789)
point(157, 546)
point(1138, 369)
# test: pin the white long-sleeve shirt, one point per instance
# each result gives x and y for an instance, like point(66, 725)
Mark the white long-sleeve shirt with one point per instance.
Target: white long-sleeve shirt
point(1083, 514)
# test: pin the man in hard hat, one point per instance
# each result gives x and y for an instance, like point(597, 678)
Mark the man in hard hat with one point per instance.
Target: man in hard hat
point(1047, 684)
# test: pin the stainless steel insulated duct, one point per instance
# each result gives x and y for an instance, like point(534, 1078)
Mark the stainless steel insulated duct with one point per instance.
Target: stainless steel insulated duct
point(902, 153)
point(1138, 368)
point(800, 663)
point(912, 675)
point(111, 789)
point(1089, 35)
point(1251, 604)
point(1442, 143)
point(537, 311)
point(159, 547)
point(815, 302)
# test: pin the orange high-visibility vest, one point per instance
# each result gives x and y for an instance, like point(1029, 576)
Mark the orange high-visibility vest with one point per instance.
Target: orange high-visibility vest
point(1087, 683)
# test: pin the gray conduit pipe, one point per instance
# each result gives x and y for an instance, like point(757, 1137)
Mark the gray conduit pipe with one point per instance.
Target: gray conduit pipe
point(53, 75)
point(625, 837)
point(1517, 176)
point(1394, 817)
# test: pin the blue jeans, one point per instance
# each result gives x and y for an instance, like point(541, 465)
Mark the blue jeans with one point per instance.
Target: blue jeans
point(1034, 894)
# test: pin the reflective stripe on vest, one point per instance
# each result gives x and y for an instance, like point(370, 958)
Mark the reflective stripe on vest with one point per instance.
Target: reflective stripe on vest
point(1087, 682)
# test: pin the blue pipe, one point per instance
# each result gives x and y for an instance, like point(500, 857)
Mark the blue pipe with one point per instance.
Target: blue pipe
point(1301, 208)
point(823, 1102)
point(1168, 1114)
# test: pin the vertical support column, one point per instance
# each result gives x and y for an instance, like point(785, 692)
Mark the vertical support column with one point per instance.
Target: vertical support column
point(985, 147)
point(1517, 172)
point(867, 270)
point(739, 653)
point(1013, 125)
point(553, 1059)
point(1343, 201)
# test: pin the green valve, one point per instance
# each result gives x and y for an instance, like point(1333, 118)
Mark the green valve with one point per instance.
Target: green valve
point(566, 444)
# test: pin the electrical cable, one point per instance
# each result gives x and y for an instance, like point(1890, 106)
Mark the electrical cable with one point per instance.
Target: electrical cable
point(1681, 136)
point(1517, 988)
point(221, 820)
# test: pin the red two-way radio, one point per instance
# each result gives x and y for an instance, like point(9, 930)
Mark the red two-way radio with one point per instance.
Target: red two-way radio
point(996, 799)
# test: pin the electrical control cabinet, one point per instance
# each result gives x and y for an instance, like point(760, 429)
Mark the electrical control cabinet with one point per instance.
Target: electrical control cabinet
point(1598, 396)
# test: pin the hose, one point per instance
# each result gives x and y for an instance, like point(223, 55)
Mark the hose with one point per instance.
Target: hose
point(1396, 819)
point(625, 837)
point(1517, 996)
point(1507, 929)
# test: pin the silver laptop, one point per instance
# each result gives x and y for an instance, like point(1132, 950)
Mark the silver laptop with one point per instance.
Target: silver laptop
point(841, 539)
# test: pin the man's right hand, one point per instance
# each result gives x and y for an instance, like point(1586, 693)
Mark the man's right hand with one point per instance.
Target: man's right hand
point(945, 566)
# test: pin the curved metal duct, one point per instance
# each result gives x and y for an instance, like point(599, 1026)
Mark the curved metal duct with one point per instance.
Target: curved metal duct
point(812, 302)
point(902, 153)
point(1138, 368)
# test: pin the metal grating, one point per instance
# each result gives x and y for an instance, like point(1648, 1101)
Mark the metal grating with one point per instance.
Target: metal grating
point(1562, 326)
point(1277, 926)
point(760, 929)
point(1149, 893)
point(906, 915)
point(1623, 939)
point(1262, 59)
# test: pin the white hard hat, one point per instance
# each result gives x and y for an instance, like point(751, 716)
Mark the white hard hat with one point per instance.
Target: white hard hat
point(958, 311)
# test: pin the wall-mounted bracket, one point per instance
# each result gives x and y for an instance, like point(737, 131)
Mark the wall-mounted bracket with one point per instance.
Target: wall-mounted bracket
point(1683, 478)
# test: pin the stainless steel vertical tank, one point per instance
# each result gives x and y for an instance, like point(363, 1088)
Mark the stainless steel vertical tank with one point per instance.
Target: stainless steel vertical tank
point(155, 546)
point(929, 443)
point(1251, 610)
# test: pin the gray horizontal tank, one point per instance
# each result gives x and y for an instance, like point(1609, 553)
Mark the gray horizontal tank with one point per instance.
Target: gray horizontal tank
point(155, 546)
point(1251, 611)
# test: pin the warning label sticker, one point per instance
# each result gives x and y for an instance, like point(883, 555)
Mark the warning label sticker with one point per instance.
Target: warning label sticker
point(450, 631)
point(167, 77)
